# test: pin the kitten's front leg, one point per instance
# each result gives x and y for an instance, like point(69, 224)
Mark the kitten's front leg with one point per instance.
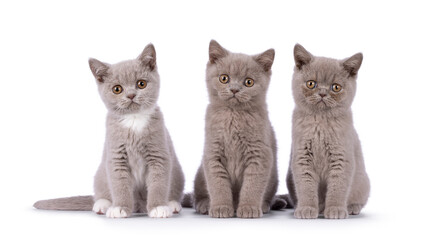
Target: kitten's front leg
point(218, 183)
point(338, 182)
point(306, 182)
point(158, 180)
point(256, 176)
point(120, 183)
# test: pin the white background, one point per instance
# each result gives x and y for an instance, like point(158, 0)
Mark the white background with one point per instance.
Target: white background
point(52, 119)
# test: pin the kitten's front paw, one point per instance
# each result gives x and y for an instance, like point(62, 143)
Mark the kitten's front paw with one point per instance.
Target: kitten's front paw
point(160, 212)
point(174, 206)
point(118, 212)
point(336, 213)
point(249, 211)
point(101, 206)
point(306, 212)
point(221, 211)
point(354, 209)
point(202, 206)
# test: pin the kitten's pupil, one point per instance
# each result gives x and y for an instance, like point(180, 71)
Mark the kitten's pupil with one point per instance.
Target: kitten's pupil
point(117, 89)
point(310, 84)
point(249, 82)
point(224, 78)
point(336, 87)
point(141, 84)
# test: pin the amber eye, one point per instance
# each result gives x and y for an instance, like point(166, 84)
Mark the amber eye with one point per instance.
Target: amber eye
point(141, 84)
point(224, 78)
point(117, 89)
point(336, 87)
point(311, 84)
point(249, 82)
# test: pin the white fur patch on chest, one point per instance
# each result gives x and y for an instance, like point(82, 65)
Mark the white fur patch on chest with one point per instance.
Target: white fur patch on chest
point(137, 122)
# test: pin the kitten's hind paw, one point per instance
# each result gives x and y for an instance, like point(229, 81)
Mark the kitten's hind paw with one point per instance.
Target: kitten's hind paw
point(174, 206)
point(202, 206)
point(101, 206)
point(118, 212)
point(221, 211)
point(248, 211)
point(354, 209)
point(160, 212)
point(336, 213)
point(306, 213)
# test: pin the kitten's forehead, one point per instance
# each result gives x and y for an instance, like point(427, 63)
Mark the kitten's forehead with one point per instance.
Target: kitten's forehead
point(325, 69)
point(239, 65)
point(127, 71)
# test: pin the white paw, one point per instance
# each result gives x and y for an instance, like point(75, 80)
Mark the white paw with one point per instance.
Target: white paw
point(174, 206)
point(117, 212)
point(160, 212)
point(101, 206)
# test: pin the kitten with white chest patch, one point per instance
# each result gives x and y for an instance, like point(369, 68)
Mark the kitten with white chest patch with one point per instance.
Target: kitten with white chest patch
point(139, 171)
point(327, 173)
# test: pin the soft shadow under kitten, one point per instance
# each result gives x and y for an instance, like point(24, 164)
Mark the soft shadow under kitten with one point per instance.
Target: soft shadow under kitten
point(239, 169)
point(139, 171)
point(326, 173)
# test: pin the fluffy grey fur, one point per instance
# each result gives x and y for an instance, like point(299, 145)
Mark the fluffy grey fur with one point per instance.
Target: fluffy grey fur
point(327, 173)
point(238, 170)
point(139, 171)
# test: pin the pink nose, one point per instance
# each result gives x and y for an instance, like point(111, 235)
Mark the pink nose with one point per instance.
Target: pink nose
point(131, 96)
point(323, 95)
point(234, 91)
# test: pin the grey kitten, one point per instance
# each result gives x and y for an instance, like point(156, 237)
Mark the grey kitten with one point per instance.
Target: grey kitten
point(139, 171)
point(327, 173)
point(238, 170)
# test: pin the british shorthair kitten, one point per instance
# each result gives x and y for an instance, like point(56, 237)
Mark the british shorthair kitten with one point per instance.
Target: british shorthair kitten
point(327, 173)
point(238, 170)
point(139, 171)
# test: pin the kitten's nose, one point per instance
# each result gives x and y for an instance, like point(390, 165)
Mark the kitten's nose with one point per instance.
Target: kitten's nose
point(322, 95)
point(131, 96)
point(234, 91)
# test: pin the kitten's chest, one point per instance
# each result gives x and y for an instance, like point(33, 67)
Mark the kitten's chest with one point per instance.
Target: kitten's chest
point(237, 128)
point(238, 132)
point(135, 148)
point(321, 138)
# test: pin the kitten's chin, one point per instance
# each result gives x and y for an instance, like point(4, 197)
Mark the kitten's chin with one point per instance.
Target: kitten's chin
point(132, 107)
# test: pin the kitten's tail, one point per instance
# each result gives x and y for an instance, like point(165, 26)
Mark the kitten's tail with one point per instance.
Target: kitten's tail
point(278, 203)
point(187, 201)
point(78, 203)
point(285, 198)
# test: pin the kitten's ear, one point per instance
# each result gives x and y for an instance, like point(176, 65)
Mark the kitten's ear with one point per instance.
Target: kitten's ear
point(216, 51)
point(301, 56)
point(353, 64)
point(265, 59)
point(148, 57)
point(98, 68)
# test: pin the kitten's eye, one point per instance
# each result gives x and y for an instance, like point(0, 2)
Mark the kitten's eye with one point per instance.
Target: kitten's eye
point(141, 84)
point(224, 78)
point(117, 89)
point(311, 84)
point(336, 87)
point(249, 82)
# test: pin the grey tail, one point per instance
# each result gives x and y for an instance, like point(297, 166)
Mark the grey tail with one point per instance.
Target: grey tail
point(187, 201)
point(285, 198)
point(278, 203)
point(78, 203)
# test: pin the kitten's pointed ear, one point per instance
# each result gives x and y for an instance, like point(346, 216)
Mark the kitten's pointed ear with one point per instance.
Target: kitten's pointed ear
point(148, 57)
point(265, 59)
point(353, 64)
point(301, 56)
point(98, 68)
point(216, 51)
